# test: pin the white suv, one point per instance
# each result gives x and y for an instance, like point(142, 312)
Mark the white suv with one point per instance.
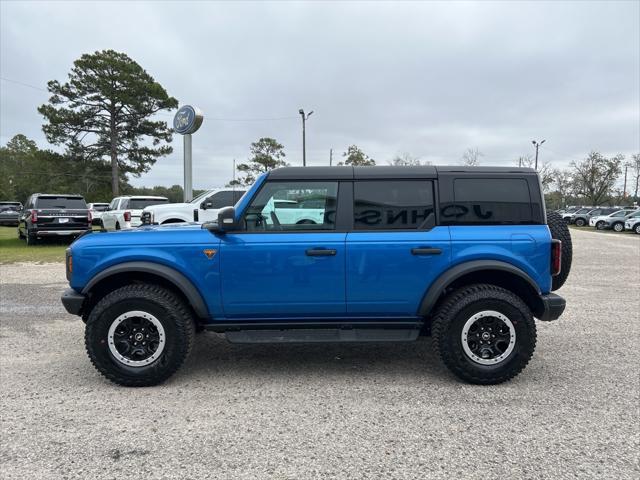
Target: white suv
point(124, 212)
point(201, 209)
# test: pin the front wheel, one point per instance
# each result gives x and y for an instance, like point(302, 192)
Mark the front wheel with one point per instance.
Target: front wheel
point(139, 335)
point(484, 334)
point(600, 226)
point(637, 228)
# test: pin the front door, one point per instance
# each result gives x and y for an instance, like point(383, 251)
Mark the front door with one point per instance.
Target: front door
point(289, 262)
point(395, 250)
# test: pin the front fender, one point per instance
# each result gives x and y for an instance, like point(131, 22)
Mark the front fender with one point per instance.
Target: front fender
point(173, 276)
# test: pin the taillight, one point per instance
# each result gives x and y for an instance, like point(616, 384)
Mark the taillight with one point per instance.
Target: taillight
point(556, 257)
point(34, 216)
point(127, 216)
point(89, 216)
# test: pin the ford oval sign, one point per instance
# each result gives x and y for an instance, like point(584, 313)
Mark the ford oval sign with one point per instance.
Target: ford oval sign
point(187, 120)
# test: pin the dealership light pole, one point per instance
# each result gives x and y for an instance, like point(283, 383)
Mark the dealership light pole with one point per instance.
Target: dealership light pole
point(305, 117)
point(537, 145)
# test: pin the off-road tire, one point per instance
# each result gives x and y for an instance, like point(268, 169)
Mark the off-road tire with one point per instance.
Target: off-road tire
point(560, 231)
point(172, 313)
point(618, 227)
point(461, 305)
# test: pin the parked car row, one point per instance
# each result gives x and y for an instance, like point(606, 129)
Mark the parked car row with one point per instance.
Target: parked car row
point(68, 215)
point(617, 219)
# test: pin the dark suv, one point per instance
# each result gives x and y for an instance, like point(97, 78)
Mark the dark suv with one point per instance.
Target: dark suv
point(52, 215)
point(333, 254)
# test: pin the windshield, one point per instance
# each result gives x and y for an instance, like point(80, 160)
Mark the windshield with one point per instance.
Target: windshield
point(202, 196)
point(9, 206)
point(61, 202)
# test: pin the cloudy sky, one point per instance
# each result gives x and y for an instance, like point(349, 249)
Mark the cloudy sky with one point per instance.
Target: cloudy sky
point(428, 78)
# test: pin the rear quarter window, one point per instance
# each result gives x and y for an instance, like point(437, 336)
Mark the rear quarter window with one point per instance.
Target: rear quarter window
point(491, 201)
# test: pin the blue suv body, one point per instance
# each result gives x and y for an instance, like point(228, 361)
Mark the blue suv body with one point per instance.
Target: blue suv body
point(331, 254)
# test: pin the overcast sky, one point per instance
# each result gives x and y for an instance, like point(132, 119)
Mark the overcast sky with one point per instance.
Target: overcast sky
point(431, 79)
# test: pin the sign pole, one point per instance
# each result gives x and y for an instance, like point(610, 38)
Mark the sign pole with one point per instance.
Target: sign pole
point(186, 121)
point(188, 170)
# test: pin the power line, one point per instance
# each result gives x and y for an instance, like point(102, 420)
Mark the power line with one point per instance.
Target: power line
point(24, 84)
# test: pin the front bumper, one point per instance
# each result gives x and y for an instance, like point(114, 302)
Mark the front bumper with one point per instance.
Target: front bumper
point(552, 307)
point(72, 301)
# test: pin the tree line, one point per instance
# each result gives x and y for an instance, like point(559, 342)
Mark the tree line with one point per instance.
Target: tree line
point(103, 117)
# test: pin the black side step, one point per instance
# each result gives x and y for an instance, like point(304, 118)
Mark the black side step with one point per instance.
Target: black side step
point(324, 335)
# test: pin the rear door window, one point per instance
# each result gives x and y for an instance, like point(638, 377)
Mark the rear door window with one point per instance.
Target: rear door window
point(393, 205)
point(140, 203)
point(491, 201)
point(60, 202)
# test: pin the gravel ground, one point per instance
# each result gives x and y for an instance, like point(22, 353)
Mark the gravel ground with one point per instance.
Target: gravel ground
point(329, 411)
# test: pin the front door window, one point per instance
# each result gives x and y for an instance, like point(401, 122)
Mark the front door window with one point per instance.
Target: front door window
point(293, 206)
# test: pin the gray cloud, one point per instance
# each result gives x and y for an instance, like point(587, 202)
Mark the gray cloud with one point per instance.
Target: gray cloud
point(427, 78)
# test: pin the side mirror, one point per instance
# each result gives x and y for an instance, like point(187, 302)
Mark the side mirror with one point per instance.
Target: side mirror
point(226, 221)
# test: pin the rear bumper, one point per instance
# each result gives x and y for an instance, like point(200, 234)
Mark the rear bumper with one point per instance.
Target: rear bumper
point(553, 306)
point(53, 233)
point(72, 301)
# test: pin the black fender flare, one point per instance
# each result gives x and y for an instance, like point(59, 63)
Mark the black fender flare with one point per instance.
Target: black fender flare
point(177, 279)
point(448, 277)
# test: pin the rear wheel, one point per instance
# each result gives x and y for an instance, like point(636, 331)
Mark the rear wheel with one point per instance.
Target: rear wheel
point(117, 226)
point(139, 335)
point(484, 334)
point(560, 231)
point(581, 222)
point(618, 227)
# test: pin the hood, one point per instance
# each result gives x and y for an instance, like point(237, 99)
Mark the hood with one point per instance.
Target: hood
point(173, 233)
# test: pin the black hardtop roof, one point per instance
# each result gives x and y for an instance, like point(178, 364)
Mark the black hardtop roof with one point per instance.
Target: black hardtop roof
point(385, 172)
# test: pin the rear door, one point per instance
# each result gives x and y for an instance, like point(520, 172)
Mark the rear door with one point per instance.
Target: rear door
point(395, 250)
point(277, 268)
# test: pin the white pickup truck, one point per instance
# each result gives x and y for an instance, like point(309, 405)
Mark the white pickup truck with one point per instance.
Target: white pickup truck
point(124, 212)
point(201, 209)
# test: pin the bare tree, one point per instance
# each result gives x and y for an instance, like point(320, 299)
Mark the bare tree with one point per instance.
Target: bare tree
point(546, 171)
point(471, 158)
point(407, 160)
point(595, 177)
point(563, 182)
point(635, 167)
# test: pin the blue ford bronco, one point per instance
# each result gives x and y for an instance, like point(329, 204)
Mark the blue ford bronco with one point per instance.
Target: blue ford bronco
point(333, 254)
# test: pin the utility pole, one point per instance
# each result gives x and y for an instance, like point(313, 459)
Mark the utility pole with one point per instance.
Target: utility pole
point(304, 140)
point(234, 175)
point(537, 145)
point(624, 189)
point(330, 156)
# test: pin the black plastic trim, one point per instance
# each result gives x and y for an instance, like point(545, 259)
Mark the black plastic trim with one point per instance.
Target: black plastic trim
point(553, 307)
point(448, 277)
point(72, 301)
point(167, 273)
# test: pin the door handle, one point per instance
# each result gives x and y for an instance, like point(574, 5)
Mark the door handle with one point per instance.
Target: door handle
point(426, 251)
point(321, 252)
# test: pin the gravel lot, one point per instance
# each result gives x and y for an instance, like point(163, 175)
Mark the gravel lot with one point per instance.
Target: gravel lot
point(327, 411)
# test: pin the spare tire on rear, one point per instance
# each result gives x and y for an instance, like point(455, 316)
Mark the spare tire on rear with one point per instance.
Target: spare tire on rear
point(560, 231)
